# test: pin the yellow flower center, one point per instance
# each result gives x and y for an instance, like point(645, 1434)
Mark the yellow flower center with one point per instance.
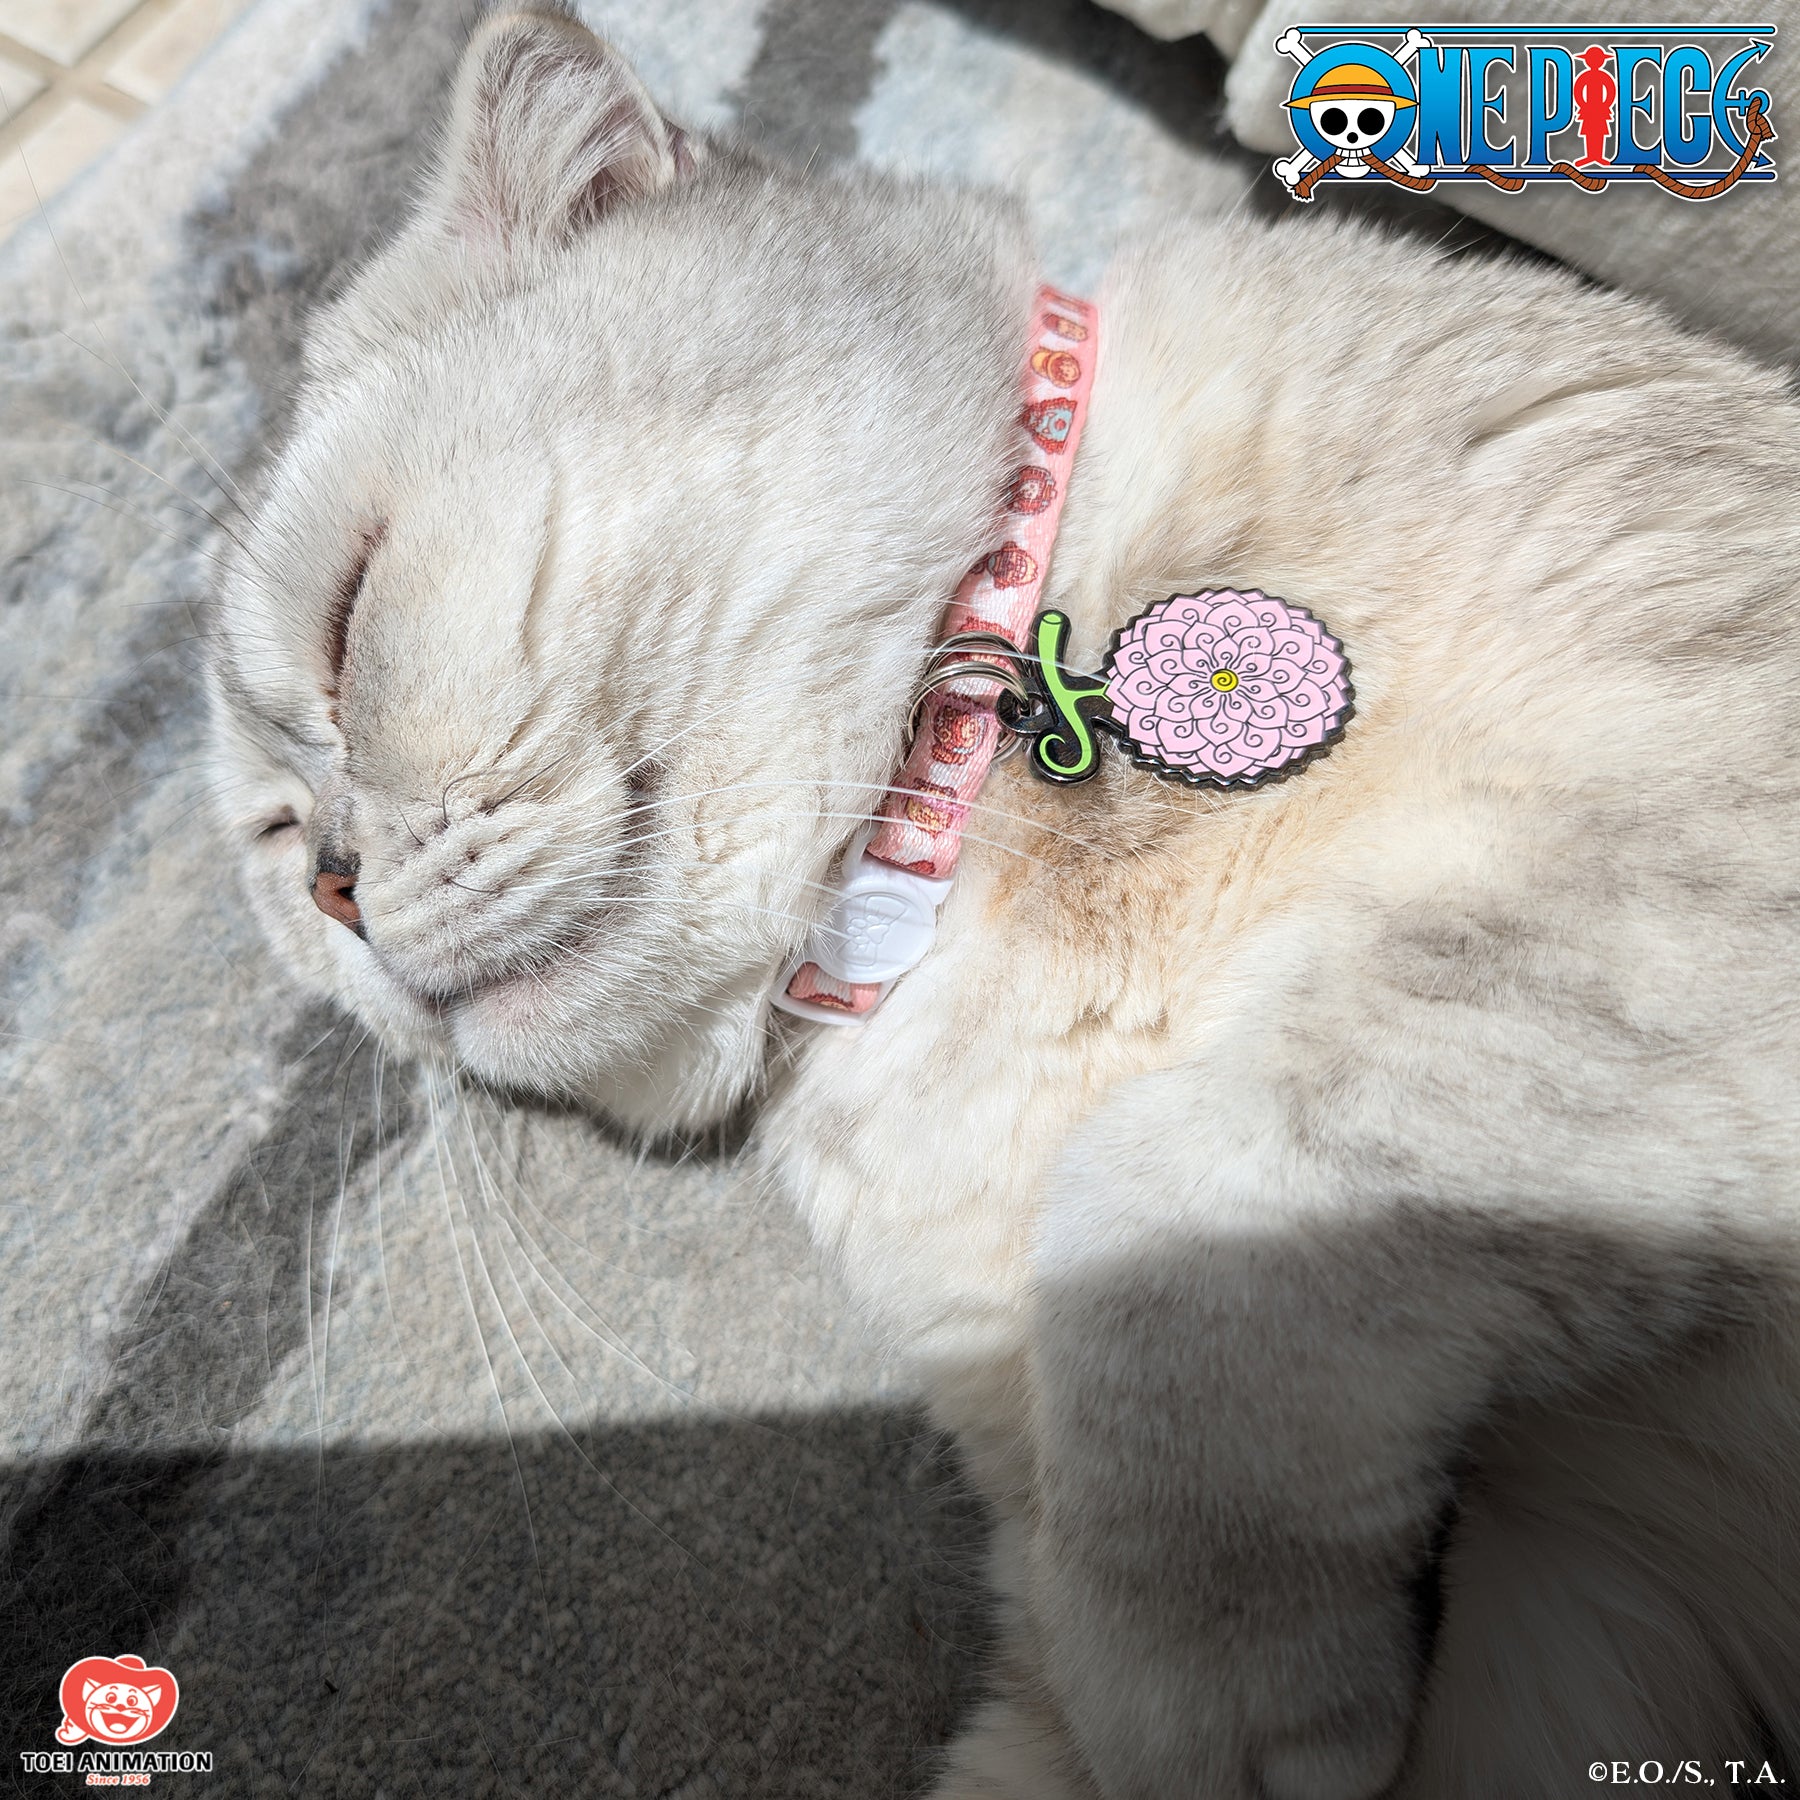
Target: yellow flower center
point(1224, 680)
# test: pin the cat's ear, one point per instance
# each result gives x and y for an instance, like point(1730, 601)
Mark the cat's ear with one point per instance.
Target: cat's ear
point(549, 131)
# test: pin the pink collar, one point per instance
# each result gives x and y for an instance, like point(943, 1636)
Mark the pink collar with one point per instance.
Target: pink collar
point(897, 871)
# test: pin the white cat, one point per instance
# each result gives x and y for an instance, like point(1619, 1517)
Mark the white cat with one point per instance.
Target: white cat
point(1352, 1224)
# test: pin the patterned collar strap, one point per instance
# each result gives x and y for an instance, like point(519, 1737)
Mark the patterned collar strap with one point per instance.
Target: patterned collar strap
point(897, 871)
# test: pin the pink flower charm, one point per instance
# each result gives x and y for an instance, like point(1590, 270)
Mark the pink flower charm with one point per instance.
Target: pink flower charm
point(1226, 689)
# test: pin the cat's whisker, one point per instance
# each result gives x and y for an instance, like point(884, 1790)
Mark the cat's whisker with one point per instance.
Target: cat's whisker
point(606, 859)
point(603, 1334)
point(656, 750)
point(512, 792)
point(204, 460)
point(549, 1405)
point(751, 695)
point(203, 510)
point(625, 773)
point(710, 719)
point(998, 813)
point(440, 1078)
point(206, 794)
point(206, 790)
point(855, 818)
point(381, 1251)
point(566, 876)
point(671, 901)
point(306, 1289)
point(346, 1122)
point(114, 504)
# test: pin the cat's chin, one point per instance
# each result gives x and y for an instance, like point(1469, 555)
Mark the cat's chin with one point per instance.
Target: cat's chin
point(533, 1026)
point(519, 1033)
point(620, 1058)
point(654, 1062)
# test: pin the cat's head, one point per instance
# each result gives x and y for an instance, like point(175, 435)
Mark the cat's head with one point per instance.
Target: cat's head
point(580, 609)
point(119, 1710)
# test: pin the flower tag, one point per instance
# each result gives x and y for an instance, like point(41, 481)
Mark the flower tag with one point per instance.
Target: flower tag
point(1216, 689)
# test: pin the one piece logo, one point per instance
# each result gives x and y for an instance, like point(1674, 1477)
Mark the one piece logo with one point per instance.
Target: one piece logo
point(115, 1700)
point(1673, 106)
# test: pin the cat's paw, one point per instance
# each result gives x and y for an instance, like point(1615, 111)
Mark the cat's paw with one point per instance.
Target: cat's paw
point(1012, 1750)
point(1015, 1750)
point(1267, 1698)
point(1360, 1766)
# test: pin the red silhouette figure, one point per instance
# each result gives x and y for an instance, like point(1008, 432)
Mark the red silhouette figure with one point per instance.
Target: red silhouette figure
point(1596, 93)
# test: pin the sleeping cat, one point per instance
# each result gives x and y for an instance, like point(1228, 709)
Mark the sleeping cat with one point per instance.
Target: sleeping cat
point(1350, 1223)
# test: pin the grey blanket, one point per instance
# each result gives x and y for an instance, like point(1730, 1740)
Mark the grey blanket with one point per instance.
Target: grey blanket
point(436, 1443)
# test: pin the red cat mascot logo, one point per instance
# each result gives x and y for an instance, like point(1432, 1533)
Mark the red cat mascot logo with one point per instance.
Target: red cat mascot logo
point(115, 1700)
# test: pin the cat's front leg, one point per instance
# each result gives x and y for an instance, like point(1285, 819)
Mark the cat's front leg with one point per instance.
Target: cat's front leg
point(1240, 1487)
point(1254, 1379)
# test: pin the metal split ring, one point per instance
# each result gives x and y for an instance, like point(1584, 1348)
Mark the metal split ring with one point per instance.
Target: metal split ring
point(939, 673)
point(981, 640)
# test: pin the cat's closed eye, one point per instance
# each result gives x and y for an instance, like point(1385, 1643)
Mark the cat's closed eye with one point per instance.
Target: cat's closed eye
point(344, 599)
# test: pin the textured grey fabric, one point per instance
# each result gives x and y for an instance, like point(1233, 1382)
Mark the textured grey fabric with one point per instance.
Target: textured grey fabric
point(436, 1442)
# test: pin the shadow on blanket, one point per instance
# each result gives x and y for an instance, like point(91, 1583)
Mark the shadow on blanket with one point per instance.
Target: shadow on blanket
point(540, 1617)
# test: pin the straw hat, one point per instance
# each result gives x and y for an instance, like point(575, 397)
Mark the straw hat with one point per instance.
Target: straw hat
point(1351, 81)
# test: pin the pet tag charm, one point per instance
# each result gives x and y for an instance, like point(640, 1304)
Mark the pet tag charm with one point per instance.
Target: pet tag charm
point(1216, 689)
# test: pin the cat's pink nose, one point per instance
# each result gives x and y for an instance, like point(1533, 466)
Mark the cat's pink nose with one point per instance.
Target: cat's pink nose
point(334, 892)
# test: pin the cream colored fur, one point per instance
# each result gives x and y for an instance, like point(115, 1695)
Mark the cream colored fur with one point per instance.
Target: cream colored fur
point(1298, 1201)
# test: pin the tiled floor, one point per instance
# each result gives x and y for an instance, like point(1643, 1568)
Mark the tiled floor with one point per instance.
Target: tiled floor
point(74, 73)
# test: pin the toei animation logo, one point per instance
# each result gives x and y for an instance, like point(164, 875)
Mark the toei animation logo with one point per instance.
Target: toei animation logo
point(1673, 106)
point(114, 1706)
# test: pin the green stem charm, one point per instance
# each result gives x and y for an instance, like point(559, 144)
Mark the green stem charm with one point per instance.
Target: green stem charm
point(1061, 728)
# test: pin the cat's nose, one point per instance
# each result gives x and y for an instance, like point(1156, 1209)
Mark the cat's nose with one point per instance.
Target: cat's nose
point(334, 890)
